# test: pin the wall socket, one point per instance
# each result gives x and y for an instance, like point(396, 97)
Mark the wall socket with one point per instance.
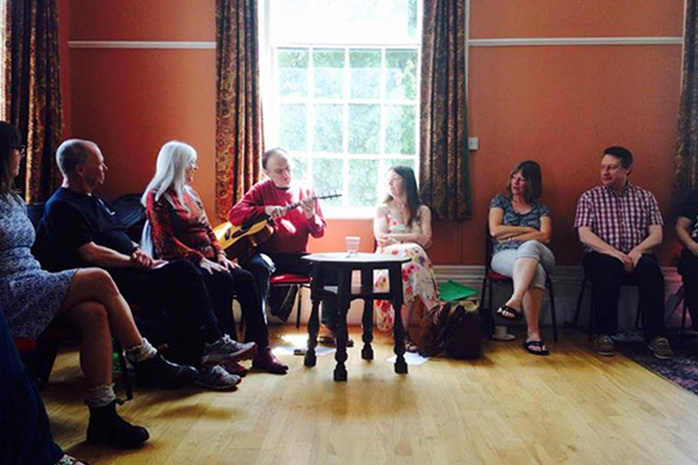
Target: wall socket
point(473, 143)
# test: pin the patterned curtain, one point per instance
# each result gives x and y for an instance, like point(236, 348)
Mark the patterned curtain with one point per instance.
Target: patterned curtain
point(687, 142)
point(444, 165)
point(238, 102)
point(32, 90)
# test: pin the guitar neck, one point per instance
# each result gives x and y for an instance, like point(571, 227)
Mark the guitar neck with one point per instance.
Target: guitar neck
point(293, 205)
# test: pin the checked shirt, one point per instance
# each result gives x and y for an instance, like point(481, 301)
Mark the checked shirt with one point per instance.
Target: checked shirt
point(622, 220)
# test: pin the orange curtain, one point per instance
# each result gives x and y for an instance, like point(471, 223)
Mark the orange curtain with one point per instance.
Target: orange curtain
point(32, 90)
point(239, 137)
point(444, 164)
point(687, 141)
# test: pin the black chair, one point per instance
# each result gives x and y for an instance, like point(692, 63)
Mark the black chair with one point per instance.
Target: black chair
point(681, 293)
point(492, 277)
point(586, 282)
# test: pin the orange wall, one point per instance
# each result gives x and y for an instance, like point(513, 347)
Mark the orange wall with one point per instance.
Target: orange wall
point(557, 105)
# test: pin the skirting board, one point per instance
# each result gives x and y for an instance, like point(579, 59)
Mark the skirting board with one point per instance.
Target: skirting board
point(566, 282)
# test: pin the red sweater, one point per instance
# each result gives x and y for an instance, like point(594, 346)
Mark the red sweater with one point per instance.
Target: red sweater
point(291, 231)
point(181, 231)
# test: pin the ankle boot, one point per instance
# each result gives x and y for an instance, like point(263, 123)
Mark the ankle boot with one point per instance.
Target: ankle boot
point(158, 372)
point(107, 427)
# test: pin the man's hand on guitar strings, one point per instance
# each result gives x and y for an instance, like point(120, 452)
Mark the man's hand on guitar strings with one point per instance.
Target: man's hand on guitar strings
point(275, 211)
point(308, 206)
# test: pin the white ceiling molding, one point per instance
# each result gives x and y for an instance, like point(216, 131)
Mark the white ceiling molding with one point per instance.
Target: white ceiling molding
point(558, 41)
point(139, 44)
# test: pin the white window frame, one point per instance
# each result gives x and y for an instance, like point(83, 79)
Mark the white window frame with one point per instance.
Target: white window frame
point(271, 105)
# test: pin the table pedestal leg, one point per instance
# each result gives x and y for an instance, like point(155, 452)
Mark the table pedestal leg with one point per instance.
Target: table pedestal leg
point(313, 329)
point(367, 318)
point(343, 300)
point(398, 328)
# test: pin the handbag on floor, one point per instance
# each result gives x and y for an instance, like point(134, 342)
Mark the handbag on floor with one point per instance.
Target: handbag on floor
point(459, 333)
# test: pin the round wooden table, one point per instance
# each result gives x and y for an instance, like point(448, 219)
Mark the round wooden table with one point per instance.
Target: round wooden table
point(343, 264)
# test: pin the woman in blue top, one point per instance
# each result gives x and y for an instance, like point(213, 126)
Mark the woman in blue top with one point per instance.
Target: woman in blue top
point(520, 227)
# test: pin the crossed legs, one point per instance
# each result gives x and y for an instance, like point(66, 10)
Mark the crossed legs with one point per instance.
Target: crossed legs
point(527, 266)
point(94, 305)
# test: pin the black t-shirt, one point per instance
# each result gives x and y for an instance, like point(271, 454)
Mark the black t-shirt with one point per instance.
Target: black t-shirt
point(689, 209)
point(72, 220)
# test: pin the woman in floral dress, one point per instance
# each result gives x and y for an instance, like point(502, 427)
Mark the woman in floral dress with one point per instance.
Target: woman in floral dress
point(402, 226)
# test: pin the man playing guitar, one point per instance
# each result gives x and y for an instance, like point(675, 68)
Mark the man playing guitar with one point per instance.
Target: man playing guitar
point(283, 251)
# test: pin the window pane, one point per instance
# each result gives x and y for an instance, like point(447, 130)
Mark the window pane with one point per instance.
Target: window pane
point(400, 129)
point(293, 127)
point(363, 176)
point(299, 169)
point(329, 73)
point(327, 177)
point(328, 128)
point(364, 126)
point(364, 73)
point(401, 74)
point(390, 162)
point(345, 21)
point(293, 72)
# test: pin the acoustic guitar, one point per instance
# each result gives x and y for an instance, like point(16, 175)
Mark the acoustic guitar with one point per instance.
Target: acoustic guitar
point(239, 240)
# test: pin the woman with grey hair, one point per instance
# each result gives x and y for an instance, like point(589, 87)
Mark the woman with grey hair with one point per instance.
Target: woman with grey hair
point(181, 230)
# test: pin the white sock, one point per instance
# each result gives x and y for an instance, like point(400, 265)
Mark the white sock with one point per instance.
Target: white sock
point(141, 352)
point(100, 396)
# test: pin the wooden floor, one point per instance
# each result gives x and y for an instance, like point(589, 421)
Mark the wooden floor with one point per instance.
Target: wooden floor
point(509, 407)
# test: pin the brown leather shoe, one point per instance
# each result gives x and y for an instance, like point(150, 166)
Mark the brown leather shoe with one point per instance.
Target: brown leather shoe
point(265, 360)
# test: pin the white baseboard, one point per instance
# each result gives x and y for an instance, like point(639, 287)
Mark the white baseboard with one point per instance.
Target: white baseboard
point(566, 283)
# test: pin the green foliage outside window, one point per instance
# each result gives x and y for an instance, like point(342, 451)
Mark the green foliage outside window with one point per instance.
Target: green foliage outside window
point(293, 127)
point(364, 128)
point(328, 177)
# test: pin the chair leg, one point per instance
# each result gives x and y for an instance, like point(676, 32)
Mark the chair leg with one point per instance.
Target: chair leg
point(575, 322)
point(490, 309)
point(44, 358)
point(124, 371)
point(485, 312)
point(590, 329)
point(300, 306)
point(482, 292)
point(553, 316)
point(682, 329)
point(638, 314)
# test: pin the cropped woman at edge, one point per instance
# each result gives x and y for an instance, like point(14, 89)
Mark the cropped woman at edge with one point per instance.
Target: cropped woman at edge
point(87, 299)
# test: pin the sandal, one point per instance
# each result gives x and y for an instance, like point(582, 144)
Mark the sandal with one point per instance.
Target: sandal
point(542, 350)
point(508, 313)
